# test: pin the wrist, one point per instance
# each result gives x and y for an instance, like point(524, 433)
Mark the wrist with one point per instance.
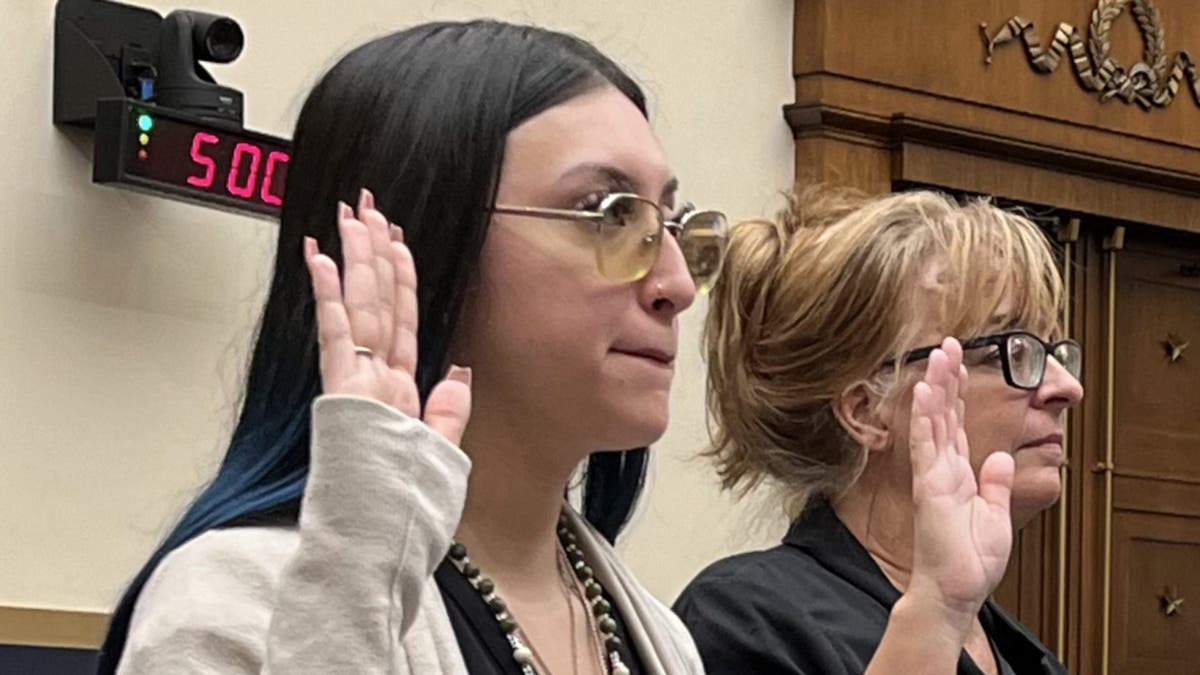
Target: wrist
point(936, 618)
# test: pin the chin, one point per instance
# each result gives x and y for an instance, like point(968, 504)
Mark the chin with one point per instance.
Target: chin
point(637, 427)
point(1033, 494)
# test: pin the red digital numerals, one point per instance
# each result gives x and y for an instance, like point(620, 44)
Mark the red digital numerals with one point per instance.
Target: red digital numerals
point(249, 173)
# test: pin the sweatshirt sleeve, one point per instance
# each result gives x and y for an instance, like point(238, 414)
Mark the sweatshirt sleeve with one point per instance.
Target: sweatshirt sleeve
point(383, 499)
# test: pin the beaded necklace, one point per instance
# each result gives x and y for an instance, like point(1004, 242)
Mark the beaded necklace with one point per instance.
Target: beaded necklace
point(593, 598)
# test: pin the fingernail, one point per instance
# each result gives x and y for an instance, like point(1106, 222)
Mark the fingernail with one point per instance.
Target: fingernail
point(344, 210)
point(365, 201)
point(459, 374)
point(310, 246)
point(397, 233)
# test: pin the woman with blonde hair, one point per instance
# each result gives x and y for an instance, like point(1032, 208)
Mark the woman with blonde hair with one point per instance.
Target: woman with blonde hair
point(905, 487)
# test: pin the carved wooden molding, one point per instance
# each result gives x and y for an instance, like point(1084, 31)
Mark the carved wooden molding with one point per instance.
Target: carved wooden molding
point(820, 119)
point(1152, 82)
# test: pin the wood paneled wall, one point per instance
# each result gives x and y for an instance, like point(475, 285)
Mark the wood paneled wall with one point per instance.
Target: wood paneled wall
point(889, 92)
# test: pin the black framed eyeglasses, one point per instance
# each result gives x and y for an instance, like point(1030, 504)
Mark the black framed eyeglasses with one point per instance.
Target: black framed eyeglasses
point(1022, 356)
point(630, 234)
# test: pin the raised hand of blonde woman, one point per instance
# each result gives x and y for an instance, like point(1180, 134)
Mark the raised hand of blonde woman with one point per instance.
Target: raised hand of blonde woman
point(367, 322)
point(962, 527)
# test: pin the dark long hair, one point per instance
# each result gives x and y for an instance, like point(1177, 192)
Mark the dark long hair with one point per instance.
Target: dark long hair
point(420, 117)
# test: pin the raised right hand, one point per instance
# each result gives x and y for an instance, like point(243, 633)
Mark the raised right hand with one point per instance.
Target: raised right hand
point(367, 331)
point(962, 527)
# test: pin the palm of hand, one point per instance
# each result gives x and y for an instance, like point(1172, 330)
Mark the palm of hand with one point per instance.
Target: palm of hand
point(367, 322)
point(962, 528)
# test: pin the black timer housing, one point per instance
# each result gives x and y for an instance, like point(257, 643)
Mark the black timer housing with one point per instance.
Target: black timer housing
point(162, 122)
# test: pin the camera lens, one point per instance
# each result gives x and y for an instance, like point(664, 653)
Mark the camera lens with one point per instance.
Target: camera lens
point(223, 40)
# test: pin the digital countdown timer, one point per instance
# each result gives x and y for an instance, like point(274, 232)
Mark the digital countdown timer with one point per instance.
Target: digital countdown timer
point(144, 147)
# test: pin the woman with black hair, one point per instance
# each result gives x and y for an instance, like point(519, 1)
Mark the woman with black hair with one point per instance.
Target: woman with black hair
point(512, 171)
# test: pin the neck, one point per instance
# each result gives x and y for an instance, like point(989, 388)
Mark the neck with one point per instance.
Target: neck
point(514, 497)
point(880, 515)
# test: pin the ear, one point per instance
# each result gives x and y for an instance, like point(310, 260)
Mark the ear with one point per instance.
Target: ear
point(857, 411)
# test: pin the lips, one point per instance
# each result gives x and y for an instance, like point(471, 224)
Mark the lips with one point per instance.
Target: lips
point(657, 355)
point(1049, 439)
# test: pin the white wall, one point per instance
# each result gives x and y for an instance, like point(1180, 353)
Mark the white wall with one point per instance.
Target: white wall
point(124, 319)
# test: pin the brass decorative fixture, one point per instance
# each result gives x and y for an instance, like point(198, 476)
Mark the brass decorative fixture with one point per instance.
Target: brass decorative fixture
point(1175, 346)
point(1171, 602)
point(1152, 82)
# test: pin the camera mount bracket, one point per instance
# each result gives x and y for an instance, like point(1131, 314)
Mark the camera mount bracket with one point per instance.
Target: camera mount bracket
point(105, 49)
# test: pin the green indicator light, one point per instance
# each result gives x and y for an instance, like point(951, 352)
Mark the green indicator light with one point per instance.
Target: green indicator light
point(145, 122)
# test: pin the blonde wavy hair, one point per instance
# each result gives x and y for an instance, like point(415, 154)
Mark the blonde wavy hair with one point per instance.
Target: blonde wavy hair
point(817, 300)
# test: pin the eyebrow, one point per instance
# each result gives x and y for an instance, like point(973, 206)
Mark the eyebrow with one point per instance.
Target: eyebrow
point(617, 178)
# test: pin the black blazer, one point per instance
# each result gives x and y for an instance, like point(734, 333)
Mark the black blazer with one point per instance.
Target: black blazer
point(818, 605)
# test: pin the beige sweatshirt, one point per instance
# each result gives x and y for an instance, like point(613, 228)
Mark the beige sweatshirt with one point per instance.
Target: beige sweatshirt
point(351, 589)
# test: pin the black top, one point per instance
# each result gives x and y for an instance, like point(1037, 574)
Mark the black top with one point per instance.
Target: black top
point(818, 604)
point(484, 646)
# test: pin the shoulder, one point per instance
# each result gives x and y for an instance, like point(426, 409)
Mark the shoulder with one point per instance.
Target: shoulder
point(750, 613)
point(241, 558)
point(210, 601)
point(769, 575)
point(766, 611)
point(744, 583)
point(785, 575)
